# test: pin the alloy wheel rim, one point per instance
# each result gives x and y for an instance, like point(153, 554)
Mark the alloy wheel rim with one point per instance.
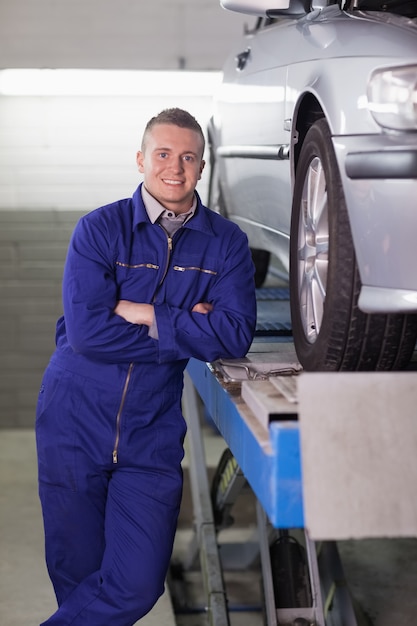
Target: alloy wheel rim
point(313, 249)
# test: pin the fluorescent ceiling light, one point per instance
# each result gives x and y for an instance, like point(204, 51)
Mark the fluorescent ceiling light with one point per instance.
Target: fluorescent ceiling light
point(74, 82)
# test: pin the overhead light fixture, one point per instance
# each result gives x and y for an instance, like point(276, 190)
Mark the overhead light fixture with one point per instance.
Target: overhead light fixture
point(80, 82)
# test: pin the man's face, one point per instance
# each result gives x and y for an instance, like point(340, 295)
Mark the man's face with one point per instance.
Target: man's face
point(171, 162)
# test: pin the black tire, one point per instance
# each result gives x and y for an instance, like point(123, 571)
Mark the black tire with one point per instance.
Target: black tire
point(260, 260)
point(330, 332)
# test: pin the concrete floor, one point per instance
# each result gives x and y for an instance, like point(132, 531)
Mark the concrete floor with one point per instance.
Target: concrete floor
point(382, 574)
point(26, 595)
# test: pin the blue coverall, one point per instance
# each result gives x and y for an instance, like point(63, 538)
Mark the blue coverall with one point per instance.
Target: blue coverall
point(109, 425)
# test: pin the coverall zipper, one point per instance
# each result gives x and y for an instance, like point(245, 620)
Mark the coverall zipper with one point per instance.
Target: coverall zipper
point(119, 413)
point(169, 241)
point(149, 266)
point(179, 268)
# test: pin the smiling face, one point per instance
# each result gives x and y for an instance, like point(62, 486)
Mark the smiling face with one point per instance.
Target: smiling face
point(171, 162)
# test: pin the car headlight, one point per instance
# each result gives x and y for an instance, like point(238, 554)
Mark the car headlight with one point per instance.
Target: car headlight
point(392, 97)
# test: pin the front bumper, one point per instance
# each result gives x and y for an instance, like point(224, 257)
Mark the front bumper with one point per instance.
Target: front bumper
point(379, 177)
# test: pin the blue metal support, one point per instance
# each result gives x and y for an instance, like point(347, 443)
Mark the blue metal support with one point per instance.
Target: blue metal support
point(270, 460)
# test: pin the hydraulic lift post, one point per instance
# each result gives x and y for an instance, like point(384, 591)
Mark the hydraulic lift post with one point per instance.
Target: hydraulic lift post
point(205, 532)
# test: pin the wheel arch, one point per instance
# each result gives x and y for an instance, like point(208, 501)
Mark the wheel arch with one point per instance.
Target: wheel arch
point(307, 111)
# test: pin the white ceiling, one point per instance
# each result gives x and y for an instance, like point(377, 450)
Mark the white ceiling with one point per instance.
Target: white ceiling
point(117, 34)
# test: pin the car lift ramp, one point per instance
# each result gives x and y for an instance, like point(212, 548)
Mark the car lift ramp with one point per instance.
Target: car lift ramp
point(268, 459)
point(254, 404)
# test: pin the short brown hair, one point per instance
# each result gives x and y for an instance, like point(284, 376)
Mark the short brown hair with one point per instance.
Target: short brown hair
point(176, 117)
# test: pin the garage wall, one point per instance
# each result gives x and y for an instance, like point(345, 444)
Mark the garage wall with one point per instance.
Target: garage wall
point(77, 152)
point(32, 252)
point(122, 34)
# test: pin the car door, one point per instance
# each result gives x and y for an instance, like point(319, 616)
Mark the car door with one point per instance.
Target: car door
point(254, 141)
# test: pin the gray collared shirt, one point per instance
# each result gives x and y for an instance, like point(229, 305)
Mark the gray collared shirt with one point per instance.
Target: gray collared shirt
point(170, 222)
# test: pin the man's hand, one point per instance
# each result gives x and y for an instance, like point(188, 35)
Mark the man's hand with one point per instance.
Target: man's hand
point(135, 312)
point(202, 307)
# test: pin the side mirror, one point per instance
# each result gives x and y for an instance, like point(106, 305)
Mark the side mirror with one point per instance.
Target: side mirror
point(255, 7)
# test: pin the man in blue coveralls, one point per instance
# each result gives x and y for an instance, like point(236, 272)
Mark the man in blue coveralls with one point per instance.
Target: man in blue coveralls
point(149, 282)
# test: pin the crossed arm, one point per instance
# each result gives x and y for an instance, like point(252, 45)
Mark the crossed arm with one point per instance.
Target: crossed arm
point(140, 313)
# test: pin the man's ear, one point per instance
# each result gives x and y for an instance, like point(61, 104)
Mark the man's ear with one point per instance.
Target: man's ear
point(202, 164)
point(139, 161)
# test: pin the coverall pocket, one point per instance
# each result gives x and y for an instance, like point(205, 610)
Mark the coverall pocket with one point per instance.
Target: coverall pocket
point(47, 391)
point(57, 403)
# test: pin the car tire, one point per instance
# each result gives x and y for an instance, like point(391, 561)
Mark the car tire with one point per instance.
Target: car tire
point(329, 330)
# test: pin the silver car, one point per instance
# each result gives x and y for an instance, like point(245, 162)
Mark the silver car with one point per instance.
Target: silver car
point(313, 146)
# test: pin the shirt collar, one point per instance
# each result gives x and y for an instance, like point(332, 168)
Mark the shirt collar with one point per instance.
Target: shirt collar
point(200, 222)
point(155, 209)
